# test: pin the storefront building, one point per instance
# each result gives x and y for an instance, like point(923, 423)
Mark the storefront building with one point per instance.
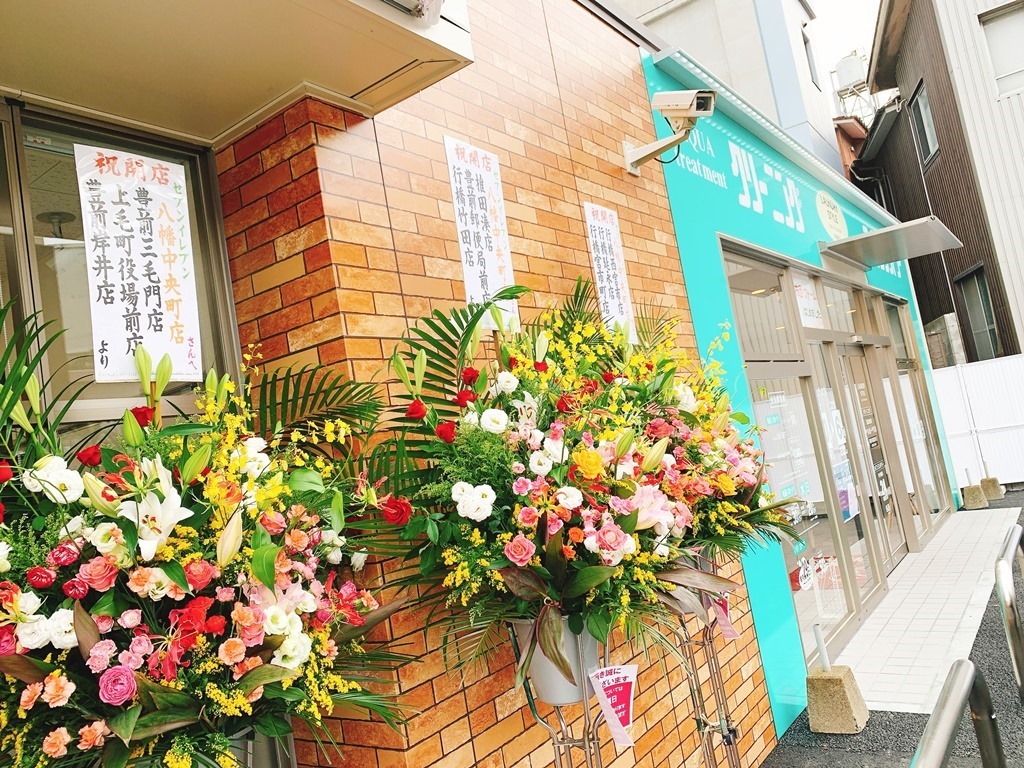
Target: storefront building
point(804, 282)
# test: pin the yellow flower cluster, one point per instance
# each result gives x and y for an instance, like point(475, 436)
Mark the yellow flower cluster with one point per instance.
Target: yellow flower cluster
point(232, 703)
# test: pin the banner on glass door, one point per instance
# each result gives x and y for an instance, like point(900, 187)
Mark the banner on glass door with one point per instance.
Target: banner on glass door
point(138, 249)
point(615, 688)
point(605, 240)
point(479, 203)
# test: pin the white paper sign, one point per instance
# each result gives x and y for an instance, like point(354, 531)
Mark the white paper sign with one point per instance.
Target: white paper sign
point(807, 302)
point(615, 688)
point(605, 240)
point(138, 250)
point(481, 225)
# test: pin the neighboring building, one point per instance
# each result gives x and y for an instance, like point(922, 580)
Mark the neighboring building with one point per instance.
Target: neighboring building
point(763, 50)
point(949, 144)
point(850, 135)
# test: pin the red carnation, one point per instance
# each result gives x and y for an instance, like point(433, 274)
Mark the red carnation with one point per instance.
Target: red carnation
point(40, 577)
point(5, 471)
point(76, 589)
point(91, 456)
point(565, 404)
point(446, 431)
point(609, 377)
point(464, 398)
point(416, 410)
point(143, 414)
point(65, 553)
point(397, 510)
point(215, 625)
point(469, 376)
point(542, 367)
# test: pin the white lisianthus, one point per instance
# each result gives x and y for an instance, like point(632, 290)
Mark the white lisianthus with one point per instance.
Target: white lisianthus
point(662, 550)
point(35, 478)
point(293, 652)
point(62, 629)
point(33, 633)
point(159, 584)
point(334, 543)
point(540, 464)
point(460, 489)
point(569, 497)
point(307, 604)
point(5, 554)
point(29, 603)
point(477, 504)
point(687, 399)
point(63, 486)
point(106, 537)
point(485, 493)
point(359, 559)
point(471, 419)
point(506, 382)
point(276, 620)
point(555, 450)
point(74, 527)
point(494, 421)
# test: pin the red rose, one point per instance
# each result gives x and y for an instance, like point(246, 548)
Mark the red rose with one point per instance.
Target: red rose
point(512, 362)
point(215, 625)
point(65, 553)
point(40, 577)
point(76, 589)
point(91, 456)
point(396, 510)
point(469, 376)
point(464, 398)
point(565, 404)
point(446, 431)
point(542, 367)
point(416, 410)
point(143, 414)
point(609, 376)
point(5, 471)
point(100, 573)
point(199, 574)
point(2, 510)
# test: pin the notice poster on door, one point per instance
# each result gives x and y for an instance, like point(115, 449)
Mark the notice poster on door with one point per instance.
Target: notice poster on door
point(807, 302)
point(475, 177)
point(141, 268)
point(615, 688)
point(605, 240)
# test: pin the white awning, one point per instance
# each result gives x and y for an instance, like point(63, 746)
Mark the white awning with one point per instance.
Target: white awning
point(896, 243)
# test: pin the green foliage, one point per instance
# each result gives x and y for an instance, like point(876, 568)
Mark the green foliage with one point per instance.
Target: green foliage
point(475, 453)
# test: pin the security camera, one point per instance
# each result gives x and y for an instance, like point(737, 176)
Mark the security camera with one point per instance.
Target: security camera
point(682, 110)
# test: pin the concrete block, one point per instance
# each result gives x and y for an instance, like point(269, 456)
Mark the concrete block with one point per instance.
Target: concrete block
point(834, 702)
point(975, 498)
point(993, 490)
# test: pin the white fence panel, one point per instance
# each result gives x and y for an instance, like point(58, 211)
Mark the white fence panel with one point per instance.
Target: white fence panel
point(982, 407)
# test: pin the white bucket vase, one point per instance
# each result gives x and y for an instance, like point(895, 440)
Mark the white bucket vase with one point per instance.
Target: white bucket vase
point(550, 685)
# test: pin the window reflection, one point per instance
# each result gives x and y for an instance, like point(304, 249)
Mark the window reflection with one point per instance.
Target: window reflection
point(762, 322)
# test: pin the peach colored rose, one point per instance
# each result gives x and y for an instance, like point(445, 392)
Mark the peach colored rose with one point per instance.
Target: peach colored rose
point(296, 540)
point(200, 573)
point(520, 550)
point(100, 573)
point(139, 580)
point(247, 664)
point(57, 690)
point(30, 695)
point(231, 651)
point(56, 743)
point(274, 522)
point(93, 735)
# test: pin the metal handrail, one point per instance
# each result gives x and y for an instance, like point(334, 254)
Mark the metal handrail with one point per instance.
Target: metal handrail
point(964, 686)
point(1008, 602)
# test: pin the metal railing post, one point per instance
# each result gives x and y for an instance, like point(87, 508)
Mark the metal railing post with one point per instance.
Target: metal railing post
point(1008, 602)
point(964, 686)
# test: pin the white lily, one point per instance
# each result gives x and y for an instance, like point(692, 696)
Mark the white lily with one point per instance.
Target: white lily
point(155, 471)
point(154, 519)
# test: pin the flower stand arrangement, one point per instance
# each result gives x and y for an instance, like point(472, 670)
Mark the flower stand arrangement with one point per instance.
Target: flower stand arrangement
point(171, 590)
point(574, 484)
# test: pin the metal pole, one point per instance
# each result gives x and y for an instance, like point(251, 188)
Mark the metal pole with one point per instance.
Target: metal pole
point(1008, 603)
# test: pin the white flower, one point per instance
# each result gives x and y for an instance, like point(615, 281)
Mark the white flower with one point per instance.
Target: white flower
point(155, 472)
point(154, 519)
point(687, 399)
point(307, 604)
point(73, 527)
point(540, 464)
point(536, 440)
point(64, 486)
point(5, 553)
point(555, 450)
point(662, 550)
point(335, 556)
point(106, 537)
point(33, 479)
point(477, 504)
point(569, 497)
point(527, 408)
point(471, 418)
point(254, 444)
point(33, 633)
point(460, 489)
point(293, 652)
point(159, 584)
point(494, 421)
point(506, 382)
point(29, 603)
point(62, 629)
point(485, 493)
point(331, 538)
point(250, 453)
point(276, 620)
point(359, 559)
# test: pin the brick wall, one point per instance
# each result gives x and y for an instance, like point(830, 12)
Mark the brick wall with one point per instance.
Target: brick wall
point(341, 229)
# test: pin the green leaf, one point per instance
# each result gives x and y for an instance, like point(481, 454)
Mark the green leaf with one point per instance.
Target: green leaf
point(432, 530)
point(549, 637)
point(131, 538)
point(115, 754)
point(337, 512)
point(585, 579)
point(291, 694)
point(176, 574)
point(25, 668)
point(263, 675)
point(428, 557)
point(740, 418)
point(184, 428)
point(599, 625)
point(695, 578)
point(161, 696)
point(628, 522)
point(123, 723)
point(576, 623)
point(260, 537)
point(370, 620)
point(263, 560)
point(104, 606)
point(270, 724)
point(554, 559)
point(524, 583)
point(306, 479)
point(163, 721)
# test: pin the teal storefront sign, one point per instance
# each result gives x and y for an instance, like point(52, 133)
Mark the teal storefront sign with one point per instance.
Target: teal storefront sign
point(737, 177)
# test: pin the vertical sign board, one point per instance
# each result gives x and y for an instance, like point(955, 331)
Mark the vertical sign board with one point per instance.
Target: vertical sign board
point(605, 240)
point(138, 248)
point(615, 687)
point(480, 220)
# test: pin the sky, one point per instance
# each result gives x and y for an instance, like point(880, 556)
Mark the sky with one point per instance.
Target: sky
point(841, 26)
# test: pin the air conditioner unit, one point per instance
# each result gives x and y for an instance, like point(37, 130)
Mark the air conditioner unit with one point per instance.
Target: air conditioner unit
point(430, 10)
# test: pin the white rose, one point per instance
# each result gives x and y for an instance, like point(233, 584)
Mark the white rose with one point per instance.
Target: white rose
point(331, 538)
point(293, 652)
point(276, 621)
point(34, 633)
point(359, 559)
point(461, 489)
point(555, 450)
point(335, 556)
point(471, 419)
point(106, 537)
point(569, 497)
point(62, 629)
point(474, 508)
point(494, 421)
point(29, 603)
point(506, 382)
point(540, 464)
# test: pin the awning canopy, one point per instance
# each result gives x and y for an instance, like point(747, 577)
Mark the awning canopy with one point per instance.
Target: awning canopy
point(896, 243)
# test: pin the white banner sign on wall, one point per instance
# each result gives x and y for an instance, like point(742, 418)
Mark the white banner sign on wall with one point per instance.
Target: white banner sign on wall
point(138, 247)
point(605, 240)
point(480, 221)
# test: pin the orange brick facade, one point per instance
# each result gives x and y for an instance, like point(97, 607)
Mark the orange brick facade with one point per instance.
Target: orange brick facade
point(341, 229)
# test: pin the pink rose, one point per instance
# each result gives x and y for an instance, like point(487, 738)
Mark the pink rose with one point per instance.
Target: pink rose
point(225, 594)
point(528, 516)
point(8, 642)
point(520, 550)
point(130, 618)
point(103, 623)
point(684, 517)
point(141, 645)
point(518, 467)
point(130, 660)
point(611, 542)
point(100, 654)
point(521, 486)
point(100, 573)
point(117, 686)
point(274, 523)
point(554, 524)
